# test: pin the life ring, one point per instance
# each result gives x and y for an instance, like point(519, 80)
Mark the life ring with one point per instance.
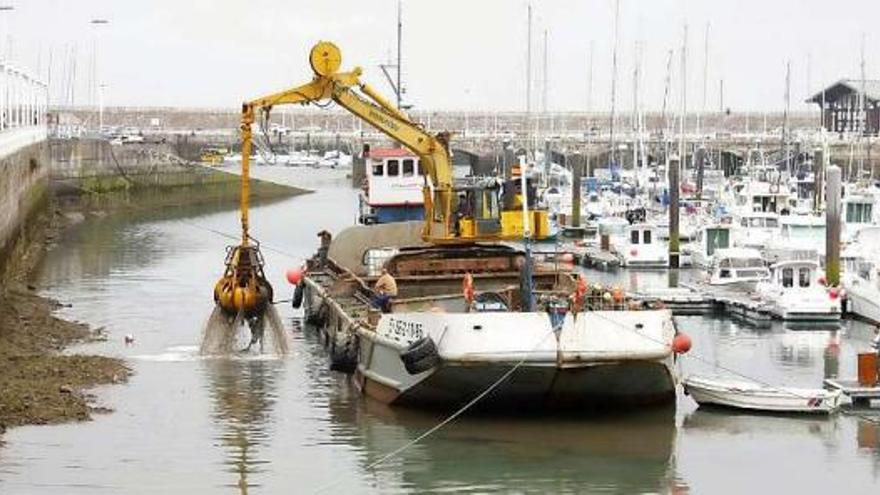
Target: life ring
point(774, 188)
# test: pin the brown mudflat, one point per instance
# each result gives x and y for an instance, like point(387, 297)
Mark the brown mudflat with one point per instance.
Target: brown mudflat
point(39, 384)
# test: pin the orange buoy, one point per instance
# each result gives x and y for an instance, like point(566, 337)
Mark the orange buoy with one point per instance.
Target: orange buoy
point(294, 275)
point(617, 294)
point(681, 343)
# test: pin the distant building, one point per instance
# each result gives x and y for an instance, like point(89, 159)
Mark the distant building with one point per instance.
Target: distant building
point(842, 106)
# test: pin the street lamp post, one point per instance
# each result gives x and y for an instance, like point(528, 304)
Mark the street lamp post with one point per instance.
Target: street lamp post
point(4, 39)
point(97, 79)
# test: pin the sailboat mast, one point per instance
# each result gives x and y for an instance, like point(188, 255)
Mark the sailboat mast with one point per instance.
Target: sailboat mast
point(399, 57)
point(785, 132)
point(683, 116)
point(614, 80)
point(529, 67)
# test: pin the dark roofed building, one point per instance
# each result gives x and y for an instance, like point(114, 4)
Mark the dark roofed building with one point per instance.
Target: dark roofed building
point(842, 102)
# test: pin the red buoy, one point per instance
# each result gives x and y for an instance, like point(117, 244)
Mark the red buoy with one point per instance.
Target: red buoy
point(833, 293)
point(681, 343)
point(822, 281)
point(634, 252)
point(294, 275)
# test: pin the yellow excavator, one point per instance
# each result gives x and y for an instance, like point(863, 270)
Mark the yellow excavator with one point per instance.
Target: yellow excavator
point(453, 215)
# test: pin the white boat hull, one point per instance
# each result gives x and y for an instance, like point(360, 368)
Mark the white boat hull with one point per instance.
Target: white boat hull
point(600, 359)
point(756, 397)
point(864, 302)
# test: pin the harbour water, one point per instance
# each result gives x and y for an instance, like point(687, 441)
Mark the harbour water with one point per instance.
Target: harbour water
point(269, 424)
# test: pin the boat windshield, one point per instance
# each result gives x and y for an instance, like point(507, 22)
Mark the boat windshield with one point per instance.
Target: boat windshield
point(742, 263)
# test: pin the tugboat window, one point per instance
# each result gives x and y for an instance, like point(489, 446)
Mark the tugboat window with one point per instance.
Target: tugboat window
point(788, 277)
point(647, 237)
point(378, 170)
point(804, 277)
point(634, 237)
point(408, 168)
point(393, 168)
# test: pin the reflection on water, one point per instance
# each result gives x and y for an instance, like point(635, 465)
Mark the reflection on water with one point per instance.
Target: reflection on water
point(611, 454)
point(243, 392)
point(289, 425)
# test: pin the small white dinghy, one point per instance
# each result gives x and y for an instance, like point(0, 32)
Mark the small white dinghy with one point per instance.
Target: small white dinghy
point(743, 394)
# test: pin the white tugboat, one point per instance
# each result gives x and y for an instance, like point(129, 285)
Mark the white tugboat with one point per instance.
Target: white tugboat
point(738, 268)
point(862, 274)
point(641, 247)
point(795, 294)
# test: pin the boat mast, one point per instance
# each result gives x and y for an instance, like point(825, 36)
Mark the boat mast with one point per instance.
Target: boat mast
point(614, 80)
point(528, 123)
point(590, 81)
point(664, 121)
point(399, 88)
point(705, 81)
point(785, 140)
point(864, 111)
point(683, 116)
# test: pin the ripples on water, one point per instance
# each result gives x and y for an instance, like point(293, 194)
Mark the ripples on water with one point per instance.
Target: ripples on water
point(273, 423)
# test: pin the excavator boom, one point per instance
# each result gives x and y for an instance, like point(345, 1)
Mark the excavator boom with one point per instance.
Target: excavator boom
point(440, 195)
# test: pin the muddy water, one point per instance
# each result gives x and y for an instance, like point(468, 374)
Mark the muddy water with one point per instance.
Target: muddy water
point(270, 424)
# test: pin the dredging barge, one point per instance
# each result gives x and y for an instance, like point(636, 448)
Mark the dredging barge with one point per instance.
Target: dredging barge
point(440, 346)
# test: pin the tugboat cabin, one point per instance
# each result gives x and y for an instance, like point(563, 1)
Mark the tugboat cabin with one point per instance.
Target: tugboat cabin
point(393, 188)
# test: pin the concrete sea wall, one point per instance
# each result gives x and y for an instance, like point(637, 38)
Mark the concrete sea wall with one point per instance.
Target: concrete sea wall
point(24, 171)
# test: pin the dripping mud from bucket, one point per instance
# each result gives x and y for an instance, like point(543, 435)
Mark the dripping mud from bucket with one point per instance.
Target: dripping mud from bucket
point(225, 335)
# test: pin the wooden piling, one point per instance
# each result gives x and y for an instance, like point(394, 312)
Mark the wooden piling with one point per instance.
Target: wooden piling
point(832, 226)
point(547, 159)
point(701, 163)
point(818, 179)
point(674, 189)
point(577, 168)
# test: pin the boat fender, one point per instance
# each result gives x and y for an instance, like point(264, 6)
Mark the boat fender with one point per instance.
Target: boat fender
point(319, 316)
point(343, 353)
point(420, 356)
point(297, 300)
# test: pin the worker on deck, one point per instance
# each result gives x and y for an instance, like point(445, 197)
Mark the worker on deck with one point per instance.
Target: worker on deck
point(385, 289)
point(326, 238)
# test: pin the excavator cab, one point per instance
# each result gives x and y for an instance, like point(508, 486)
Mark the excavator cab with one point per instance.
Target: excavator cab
point(490, 209)
point(478, 213)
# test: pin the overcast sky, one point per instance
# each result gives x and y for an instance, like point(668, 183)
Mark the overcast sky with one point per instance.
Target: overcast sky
point(458, 54)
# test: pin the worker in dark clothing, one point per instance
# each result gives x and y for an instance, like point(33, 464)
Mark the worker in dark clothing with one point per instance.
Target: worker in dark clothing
point(326, 237)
